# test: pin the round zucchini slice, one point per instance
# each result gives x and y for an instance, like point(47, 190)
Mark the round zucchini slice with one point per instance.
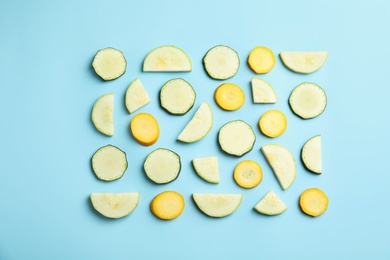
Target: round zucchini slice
point(162, 166)
point(109, 163)
point(177, 96)
point(221, 62)
point(236, 138)
point(109, 63)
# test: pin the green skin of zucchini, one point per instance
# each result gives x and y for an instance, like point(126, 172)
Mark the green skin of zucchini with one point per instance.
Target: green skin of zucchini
point(150, 180)
point(204, 64)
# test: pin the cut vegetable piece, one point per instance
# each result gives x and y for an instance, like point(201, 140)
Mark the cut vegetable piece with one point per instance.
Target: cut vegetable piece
point(136, 96)
point(221, 62)
point(103, 114)
point(282, 163)
point(199, 125)
point(308, 100)
point(167, 205)
point(304, 62)
point(217, 205)
point(263, 92)
point(177, 96)
point(312, 155)
point(109, 63)
point(145, 129)
point(162, 166)
point(207, 168)
point(261, 60)
point(167, 59)
point(236, 138)
point(109, 163)
point(273, 123)
point(229, 96)
point(248, 174)
point(271, 205)
point(313, 202)
point(115, 205)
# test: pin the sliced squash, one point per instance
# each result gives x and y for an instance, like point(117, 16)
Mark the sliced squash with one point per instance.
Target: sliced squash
point(136, 96)
point(273, 123)
point(109, 63)
point(312, 154)
point(248, 174)
point(217, 205)
point(162, 166)
point(177, 96)
point(167, 205)
point(109, 163)
point(261, 60)
point(167, 59)
point(207, 168)
point(304, 62)
point(270, 205)
point(145, 129)
point(263, 92)
point(313, 202)
point(115, 205)
point(221, 62)
point(236, 138)
point(103, 114)
point(229, 96)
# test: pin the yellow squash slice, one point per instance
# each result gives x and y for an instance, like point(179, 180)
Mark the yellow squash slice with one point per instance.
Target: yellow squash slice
point(248, 174)
point(167, 205)
point(261, 60)
point(273, 123)
point(313, 202)
point(229, 96)
point(145, 129)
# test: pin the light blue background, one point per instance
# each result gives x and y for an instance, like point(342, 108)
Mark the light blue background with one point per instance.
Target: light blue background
point(47, 138)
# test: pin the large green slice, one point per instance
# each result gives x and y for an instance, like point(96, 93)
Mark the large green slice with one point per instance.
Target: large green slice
point(236, 138)
point(167, 59)
point(217, 205)
point(115, 205)
point(109, 63)
point(109, 163)
point(303, 62)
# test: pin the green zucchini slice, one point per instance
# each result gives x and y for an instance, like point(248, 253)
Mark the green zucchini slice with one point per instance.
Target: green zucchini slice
point(115, 205)
point(312, 154)
point(303, 62)
point(263, 92)
point(162, 166)
point(236, 138)
point(270, 205)
point(207, 168)
point(177, 96)
point(109, 163)
point(103, 114)
point(109, 63)
point(167, 59)
point(136, 96)
point(217, 205)
point(221, 62)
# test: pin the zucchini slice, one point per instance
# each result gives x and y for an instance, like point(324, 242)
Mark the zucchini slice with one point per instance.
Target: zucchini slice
point(115, 205)
point(303, 62)
point(207, 168)
point(270, 205)
point(248, 174)
point(263, 92)
point(167, 205)
point(261, 60)
point(236, 138)
point(145, 129)
point(199, 125)
point(229, 96)
point(217, 205)
point(162, 166)
point(273, 123)
point(282, 163)
point(103, 114)
point(221, 62)
point(177, 96)
point(167, 59)
point(313, 202)
point(136, 96)
point(109, 63)
point(312, 154)
point(109, 163)
point(308, 100)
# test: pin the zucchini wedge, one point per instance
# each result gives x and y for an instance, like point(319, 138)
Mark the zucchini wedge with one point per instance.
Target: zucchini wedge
point(303, 62)
point(115, 205)
point(217, 205)
point(177, 96)
point(312, 155)
point(109, 63)
point(236, 138)
point(282, 163)
point(263, 92)
point(103, 114)
point(221, 62)
point(136, 96)
point(109, 163)
point(199, 125)
point(270, 205)
point(162, 166)
point(207, 168)
point(308, 100)
point(167, 59)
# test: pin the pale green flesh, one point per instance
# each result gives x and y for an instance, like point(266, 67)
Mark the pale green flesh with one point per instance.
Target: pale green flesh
point(199, 125)
point(304, 62)
point(217, 205)
point(162, 166)
point(136, 96)
point(109, 63)
point(103, 114)
point(177, 96)
point(221, 62)
point(115, 205)
point(312, 154)
point(109, 163)
point(207, 168)
point(308, 100)
point(282, 163)
point(167, 59)
point(263, 92)
point(236, 138)
point(270, 204)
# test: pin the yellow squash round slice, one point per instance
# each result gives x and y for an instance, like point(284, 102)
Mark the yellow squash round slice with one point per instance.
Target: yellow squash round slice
point(273, 123)
point(261, 60)
point(167, 205)
point(109, 63)
point(145, 129)
point(248, 174)
point(313, 202)
point(229, 96)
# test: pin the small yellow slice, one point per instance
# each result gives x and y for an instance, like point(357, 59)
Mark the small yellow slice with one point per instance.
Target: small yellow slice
point(167, 205)
point(261, 60)
point(273, 123)
point(248, 174)
point(313, 202)
point(145, 129)
point(229, 96)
